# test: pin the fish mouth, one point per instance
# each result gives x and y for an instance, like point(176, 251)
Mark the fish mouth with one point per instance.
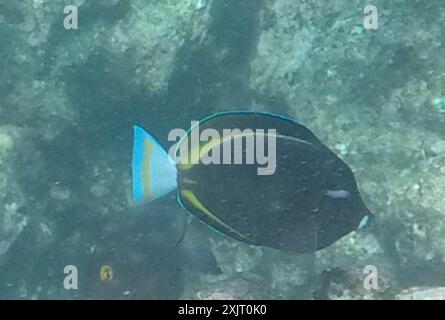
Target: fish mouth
point(372, 220)
point(368, 220)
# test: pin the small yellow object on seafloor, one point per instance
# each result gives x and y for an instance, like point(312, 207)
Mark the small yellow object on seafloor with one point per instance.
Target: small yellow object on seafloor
point(106, 273)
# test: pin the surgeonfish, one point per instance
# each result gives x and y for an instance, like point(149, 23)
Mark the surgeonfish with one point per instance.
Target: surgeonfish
point(308, 201)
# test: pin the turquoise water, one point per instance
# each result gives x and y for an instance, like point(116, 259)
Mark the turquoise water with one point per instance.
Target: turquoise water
point(370, 86)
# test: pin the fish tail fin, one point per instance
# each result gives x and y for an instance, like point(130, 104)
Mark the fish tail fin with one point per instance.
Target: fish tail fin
point(154, 172)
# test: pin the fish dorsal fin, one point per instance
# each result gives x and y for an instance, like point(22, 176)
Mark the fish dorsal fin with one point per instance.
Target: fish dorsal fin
point(284, 125)
point(242, 120)
point(154, 172)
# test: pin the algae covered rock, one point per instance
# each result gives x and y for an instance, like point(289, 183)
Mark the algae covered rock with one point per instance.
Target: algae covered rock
point(374, 97)
point(147, 40)
point(266, 273)
point(417, 293)
point(14, 149)
point(62, 180)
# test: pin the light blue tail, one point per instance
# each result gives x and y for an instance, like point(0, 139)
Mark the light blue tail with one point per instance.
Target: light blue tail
point(154, 172)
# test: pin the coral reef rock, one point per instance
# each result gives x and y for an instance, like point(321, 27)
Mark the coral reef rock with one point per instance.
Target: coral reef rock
point(422, 294)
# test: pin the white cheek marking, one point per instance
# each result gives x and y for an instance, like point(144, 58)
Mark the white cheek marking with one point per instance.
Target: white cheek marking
point(338, 194)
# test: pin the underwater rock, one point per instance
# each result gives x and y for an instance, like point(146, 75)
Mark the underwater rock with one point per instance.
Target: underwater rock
point(417, 293)
point(283, 275)
point(144, 266)
point(80, 183)
point(419, 238)
point(318, 56)
point(348, 284)
point(148, 38)
point(136, 40)
point(279, 275)
point(12, 196)
point(28, 97)
point(223, 288)
point(42, 105)
point(354, 255)
point(374, 98)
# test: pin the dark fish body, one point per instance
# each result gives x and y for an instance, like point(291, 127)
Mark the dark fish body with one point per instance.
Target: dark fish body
point(310, 201)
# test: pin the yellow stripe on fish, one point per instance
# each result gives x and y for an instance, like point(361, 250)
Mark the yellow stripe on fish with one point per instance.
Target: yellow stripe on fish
point(195, 156)
point(148, 150)
point(190, 197)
